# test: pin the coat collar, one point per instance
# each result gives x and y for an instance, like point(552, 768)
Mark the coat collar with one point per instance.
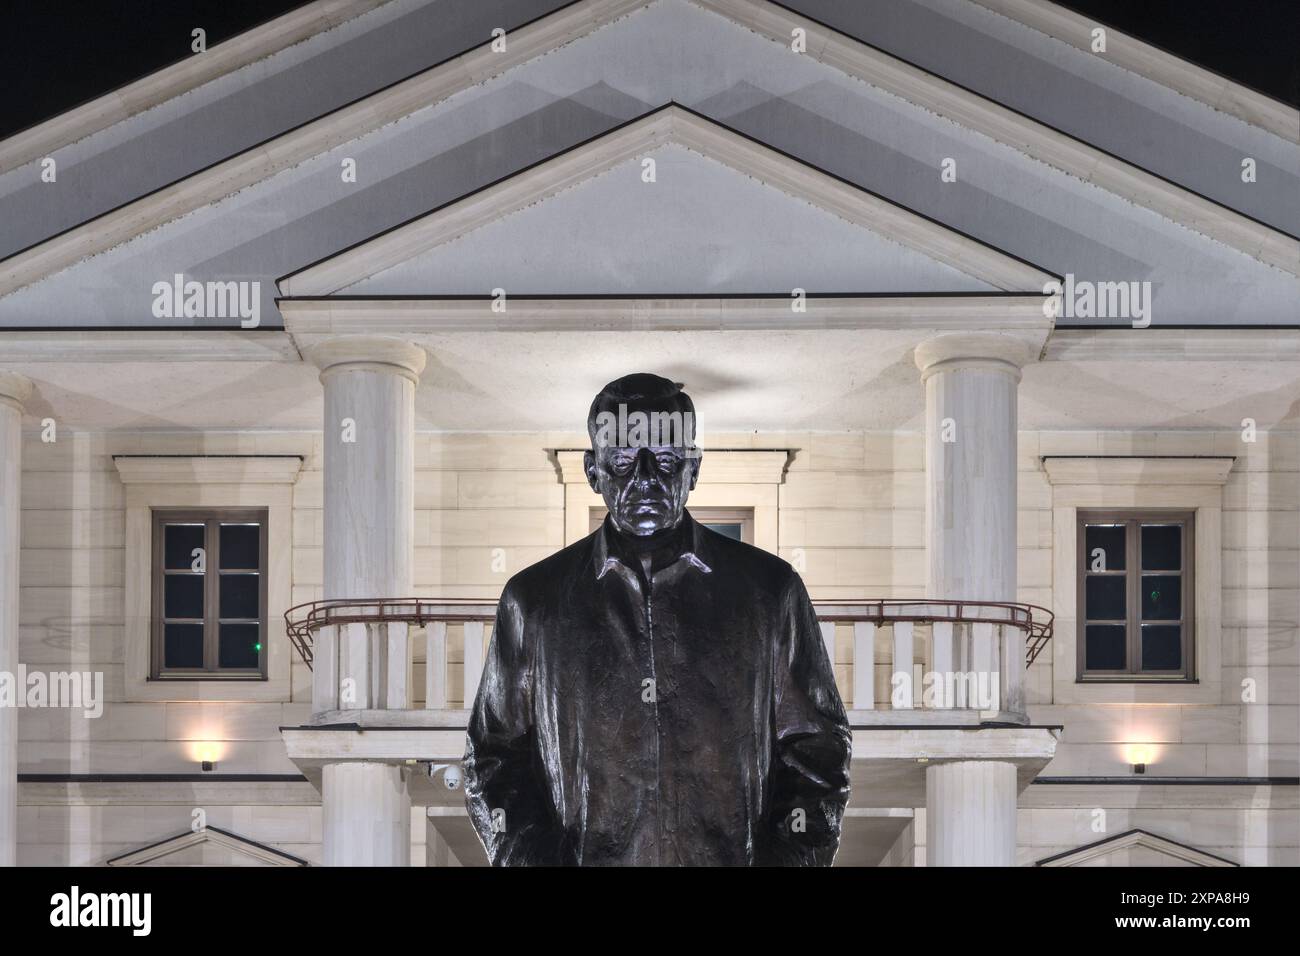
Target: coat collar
point(609, 554)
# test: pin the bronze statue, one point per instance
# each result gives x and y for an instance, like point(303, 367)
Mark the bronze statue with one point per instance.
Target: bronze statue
point(657, 693)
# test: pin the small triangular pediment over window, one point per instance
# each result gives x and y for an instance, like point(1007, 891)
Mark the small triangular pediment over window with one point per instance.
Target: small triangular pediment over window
point(1135, 848)
point(209, 846)
point(670, 202)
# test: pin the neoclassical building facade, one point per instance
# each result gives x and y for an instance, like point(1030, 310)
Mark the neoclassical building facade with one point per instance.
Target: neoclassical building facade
point(990, 314)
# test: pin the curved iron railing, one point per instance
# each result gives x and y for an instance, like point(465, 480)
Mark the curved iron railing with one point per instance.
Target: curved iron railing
point(1035, 620)
point(303, 620)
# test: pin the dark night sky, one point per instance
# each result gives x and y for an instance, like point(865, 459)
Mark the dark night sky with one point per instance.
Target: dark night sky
point(58, 53)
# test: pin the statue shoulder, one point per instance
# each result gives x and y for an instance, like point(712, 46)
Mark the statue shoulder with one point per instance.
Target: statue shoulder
point(751, 560)
point(548, 575)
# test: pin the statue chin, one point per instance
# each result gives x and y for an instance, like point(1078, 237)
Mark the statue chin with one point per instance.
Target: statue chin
point(642, 531)
point(644, 528)
point(645, 525)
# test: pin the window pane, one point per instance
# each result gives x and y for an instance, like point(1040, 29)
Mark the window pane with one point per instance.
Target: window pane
point(183, 595)
point(729, 528)
point(1109, 539)
point(1105, 597)
point(182, 645)
point(1106, 649)
point(1162, 597)
point(239, 595)
point(240, 547)
point(1162, 547)
point(239, 645)
point(1162, 647)
point(179, 542)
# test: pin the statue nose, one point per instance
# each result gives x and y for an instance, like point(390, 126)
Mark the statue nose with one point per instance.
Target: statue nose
point(646, 468)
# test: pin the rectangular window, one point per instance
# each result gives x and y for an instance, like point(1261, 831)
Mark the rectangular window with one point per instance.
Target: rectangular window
point(209, 594)
point(735, 523)
point(1135, 598)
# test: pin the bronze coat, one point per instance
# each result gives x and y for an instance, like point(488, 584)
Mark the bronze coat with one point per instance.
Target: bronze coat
point(692, 719)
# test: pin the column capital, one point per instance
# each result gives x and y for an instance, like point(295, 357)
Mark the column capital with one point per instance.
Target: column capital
point(15, 389)
point(367, 352)
point(994, 351)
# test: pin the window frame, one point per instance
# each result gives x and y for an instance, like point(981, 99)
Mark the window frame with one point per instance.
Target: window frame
point(212, 518)
point(706, 515)
point(1134, 518)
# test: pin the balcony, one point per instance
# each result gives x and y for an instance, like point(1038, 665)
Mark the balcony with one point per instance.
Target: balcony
point(910, 672)
point(965, 656)
point(959, 696)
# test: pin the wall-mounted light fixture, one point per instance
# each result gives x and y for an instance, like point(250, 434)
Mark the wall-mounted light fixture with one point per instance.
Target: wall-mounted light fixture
point(1139, 755)
point(207, 752)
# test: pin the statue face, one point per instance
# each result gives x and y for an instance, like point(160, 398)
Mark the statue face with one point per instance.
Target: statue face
point(645, 488)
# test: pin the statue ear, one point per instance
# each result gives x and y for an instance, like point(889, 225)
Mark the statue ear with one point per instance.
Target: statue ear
point(589, 468)
point(695, 471)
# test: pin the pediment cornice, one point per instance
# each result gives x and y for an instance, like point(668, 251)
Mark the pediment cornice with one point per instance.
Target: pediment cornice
point(577, 20)
point(671, 124)
point(1135, 838)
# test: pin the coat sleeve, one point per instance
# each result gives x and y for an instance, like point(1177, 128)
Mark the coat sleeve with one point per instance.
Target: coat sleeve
point(811, 742)
point(505, 791)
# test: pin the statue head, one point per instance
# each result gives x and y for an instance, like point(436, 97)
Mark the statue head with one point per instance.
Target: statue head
point(643, 459)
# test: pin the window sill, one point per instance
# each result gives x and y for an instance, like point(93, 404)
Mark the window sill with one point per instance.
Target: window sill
point(208, 689)
point(224, 678)
point(1137, 692)
point(1180, 681)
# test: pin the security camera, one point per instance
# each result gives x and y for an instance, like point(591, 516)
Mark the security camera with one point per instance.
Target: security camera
point(451, 775)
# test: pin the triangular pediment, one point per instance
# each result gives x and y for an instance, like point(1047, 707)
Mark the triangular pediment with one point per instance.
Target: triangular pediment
point(208, 846)
point(671, 202)
point(1135, 848)
point(133, 207)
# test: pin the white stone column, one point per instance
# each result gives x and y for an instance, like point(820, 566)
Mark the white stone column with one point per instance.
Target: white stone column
point(971, 426)
point(970, 463)
point(369, 443)
point(14, 390)
point(970, 813)
point(366, 815)
point(369, 437)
